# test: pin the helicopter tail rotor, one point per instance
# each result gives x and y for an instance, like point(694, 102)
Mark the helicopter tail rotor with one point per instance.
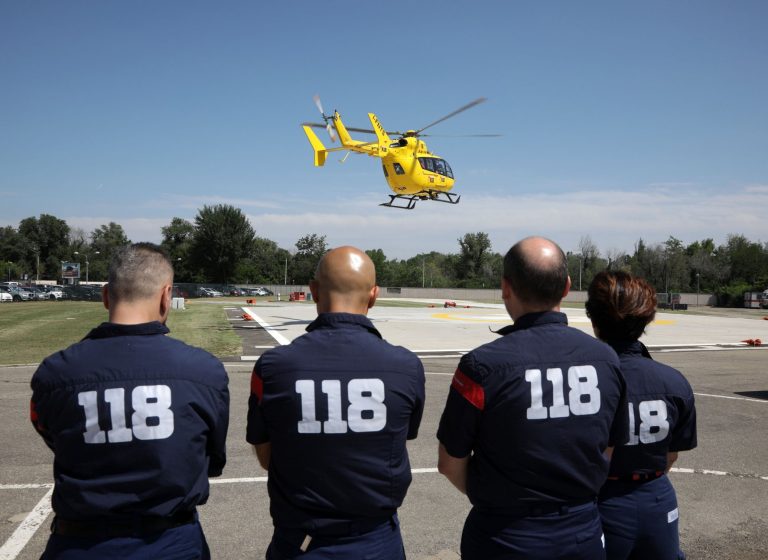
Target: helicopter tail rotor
point(328, 119)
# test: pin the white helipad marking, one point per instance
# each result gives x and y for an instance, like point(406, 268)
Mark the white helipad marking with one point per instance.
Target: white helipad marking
point(20, 537)
point(267, 327)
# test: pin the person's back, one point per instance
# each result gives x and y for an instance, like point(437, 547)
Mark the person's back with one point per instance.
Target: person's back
point(342, 461)
point(638, 504)
point(139, 396)
point(530, 420)
point(551, 395)
point(137, 422)
point(329, 416)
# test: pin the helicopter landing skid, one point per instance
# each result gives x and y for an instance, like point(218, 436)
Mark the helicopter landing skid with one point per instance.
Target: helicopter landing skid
point(411, 199)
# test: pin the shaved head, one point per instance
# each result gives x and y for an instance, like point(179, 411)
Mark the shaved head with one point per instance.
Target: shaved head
point(345, 279)
point(537, 270)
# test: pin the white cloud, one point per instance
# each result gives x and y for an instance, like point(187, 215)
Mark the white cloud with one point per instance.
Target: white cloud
point(613, 219)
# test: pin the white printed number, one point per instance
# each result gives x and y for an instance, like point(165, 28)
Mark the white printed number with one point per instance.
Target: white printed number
point(583, 396)
point(152, 416)
point(366, 411)
point(654, 424)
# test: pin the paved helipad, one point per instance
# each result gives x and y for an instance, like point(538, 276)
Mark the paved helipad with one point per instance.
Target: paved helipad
point(438, 329)
point(722, 485)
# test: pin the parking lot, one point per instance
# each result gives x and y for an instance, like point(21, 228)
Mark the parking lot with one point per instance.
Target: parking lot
point(722, 485)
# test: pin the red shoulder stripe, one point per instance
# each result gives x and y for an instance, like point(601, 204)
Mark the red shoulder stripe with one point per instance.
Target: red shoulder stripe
point(469, 389)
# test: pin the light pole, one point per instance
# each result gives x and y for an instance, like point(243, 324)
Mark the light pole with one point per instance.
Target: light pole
point(9, 270)
point(87, 263)
point(285, 276)
point(697, 289)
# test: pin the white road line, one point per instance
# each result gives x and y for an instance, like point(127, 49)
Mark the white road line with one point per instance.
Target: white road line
point(25, 486)
point(727, 397)
point(438, 373)
point(267, 327)
point(20, 537)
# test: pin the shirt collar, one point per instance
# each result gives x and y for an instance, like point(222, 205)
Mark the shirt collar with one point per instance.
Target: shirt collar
point(335, 320)
point(108, 330)
point(534, 320)
point(634, 347)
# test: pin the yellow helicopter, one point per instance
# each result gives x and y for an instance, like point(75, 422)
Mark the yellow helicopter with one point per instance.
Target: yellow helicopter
point(412, 171)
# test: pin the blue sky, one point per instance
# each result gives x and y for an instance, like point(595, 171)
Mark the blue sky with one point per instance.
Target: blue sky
point(620, 120)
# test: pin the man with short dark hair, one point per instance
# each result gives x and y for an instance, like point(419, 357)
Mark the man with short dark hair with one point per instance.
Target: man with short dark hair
point(137, 422)
point(329, 416)
point(530, 422)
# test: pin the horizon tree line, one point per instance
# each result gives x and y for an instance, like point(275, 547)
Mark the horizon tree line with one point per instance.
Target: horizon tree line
point(220, 246)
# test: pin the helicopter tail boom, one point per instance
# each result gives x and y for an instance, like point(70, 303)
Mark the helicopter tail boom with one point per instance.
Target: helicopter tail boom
point(317, 146)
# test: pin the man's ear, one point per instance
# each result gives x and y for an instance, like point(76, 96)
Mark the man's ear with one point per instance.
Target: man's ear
point(506, 289)
point(374, 293)
point(567, 287)
point(105, 296)
point(165, 300)
point(313, 289)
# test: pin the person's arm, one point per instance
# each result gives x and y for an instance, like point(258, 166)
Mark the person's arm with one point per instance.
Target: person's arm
point(671, 458)
point(453, 468)
point(263, 453)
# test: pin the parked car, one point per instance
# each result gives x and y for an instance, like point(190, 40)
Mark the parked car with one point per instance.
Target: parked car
point(202, 291)
point(262, 291)
point(5, 295)
point(38, 293)
point(54, 292)
point(21, 294)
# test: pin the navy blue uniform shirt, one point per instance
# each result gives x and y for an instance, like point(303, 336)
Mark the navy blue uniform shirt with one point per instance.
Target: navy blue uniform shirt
point(662, 414)
point(137, 422)
point(536, 408)
point(337, 406)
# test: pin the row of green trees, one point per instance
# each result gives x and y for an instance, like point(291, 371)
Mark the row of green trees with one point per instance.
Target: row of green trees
point(220, 246)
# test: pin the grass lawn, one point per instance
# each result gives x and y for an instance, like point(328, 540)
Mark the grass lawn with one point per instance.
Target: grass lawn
point(30, 331)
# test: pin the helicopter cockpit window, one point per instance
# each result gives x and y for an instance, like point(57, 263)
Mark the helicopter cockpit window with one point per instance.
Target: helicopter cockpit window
point(426, 163)
point(448, 170)
point(384, 168)
point(398, 169)
point(439, 166)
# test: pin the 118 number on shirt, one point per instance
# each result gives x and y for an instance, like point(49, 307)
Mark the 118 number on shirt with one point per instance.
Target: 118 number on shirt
point(366, 411)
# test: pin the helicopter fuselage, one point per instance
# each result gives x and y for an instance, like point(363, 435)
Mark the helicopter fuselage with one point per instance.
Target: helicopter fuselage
point(408, 166)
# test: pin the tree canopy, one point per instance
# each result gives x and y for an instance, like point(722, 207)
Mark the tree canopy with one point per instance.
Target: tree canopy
point(220, 246)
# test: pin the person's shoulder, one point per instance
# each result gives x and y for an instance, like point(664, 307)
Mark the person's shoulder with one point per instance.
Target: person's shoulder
point(58, 367)
point(193, 360)
point(672, 379)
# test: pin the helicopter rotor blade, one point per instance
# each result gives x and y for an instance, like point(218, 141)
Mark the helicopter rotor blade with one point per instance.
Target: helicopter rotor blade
point(331, 132)
point(461, 135)
point(313, 124)
point(363, 130)
point(318, 104)
point(453, 114)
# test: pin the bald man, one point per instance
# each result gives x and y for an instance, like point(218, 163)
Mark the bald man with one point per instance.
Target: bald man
point(530, 422)
point(137, 422)
point(329, 416)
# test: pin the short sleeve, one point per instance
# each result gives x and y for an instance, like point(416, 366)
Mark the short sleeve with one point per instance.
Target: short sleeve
point(256, 430)
point(460, 421)
point(217, 448)
point(684, 433)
